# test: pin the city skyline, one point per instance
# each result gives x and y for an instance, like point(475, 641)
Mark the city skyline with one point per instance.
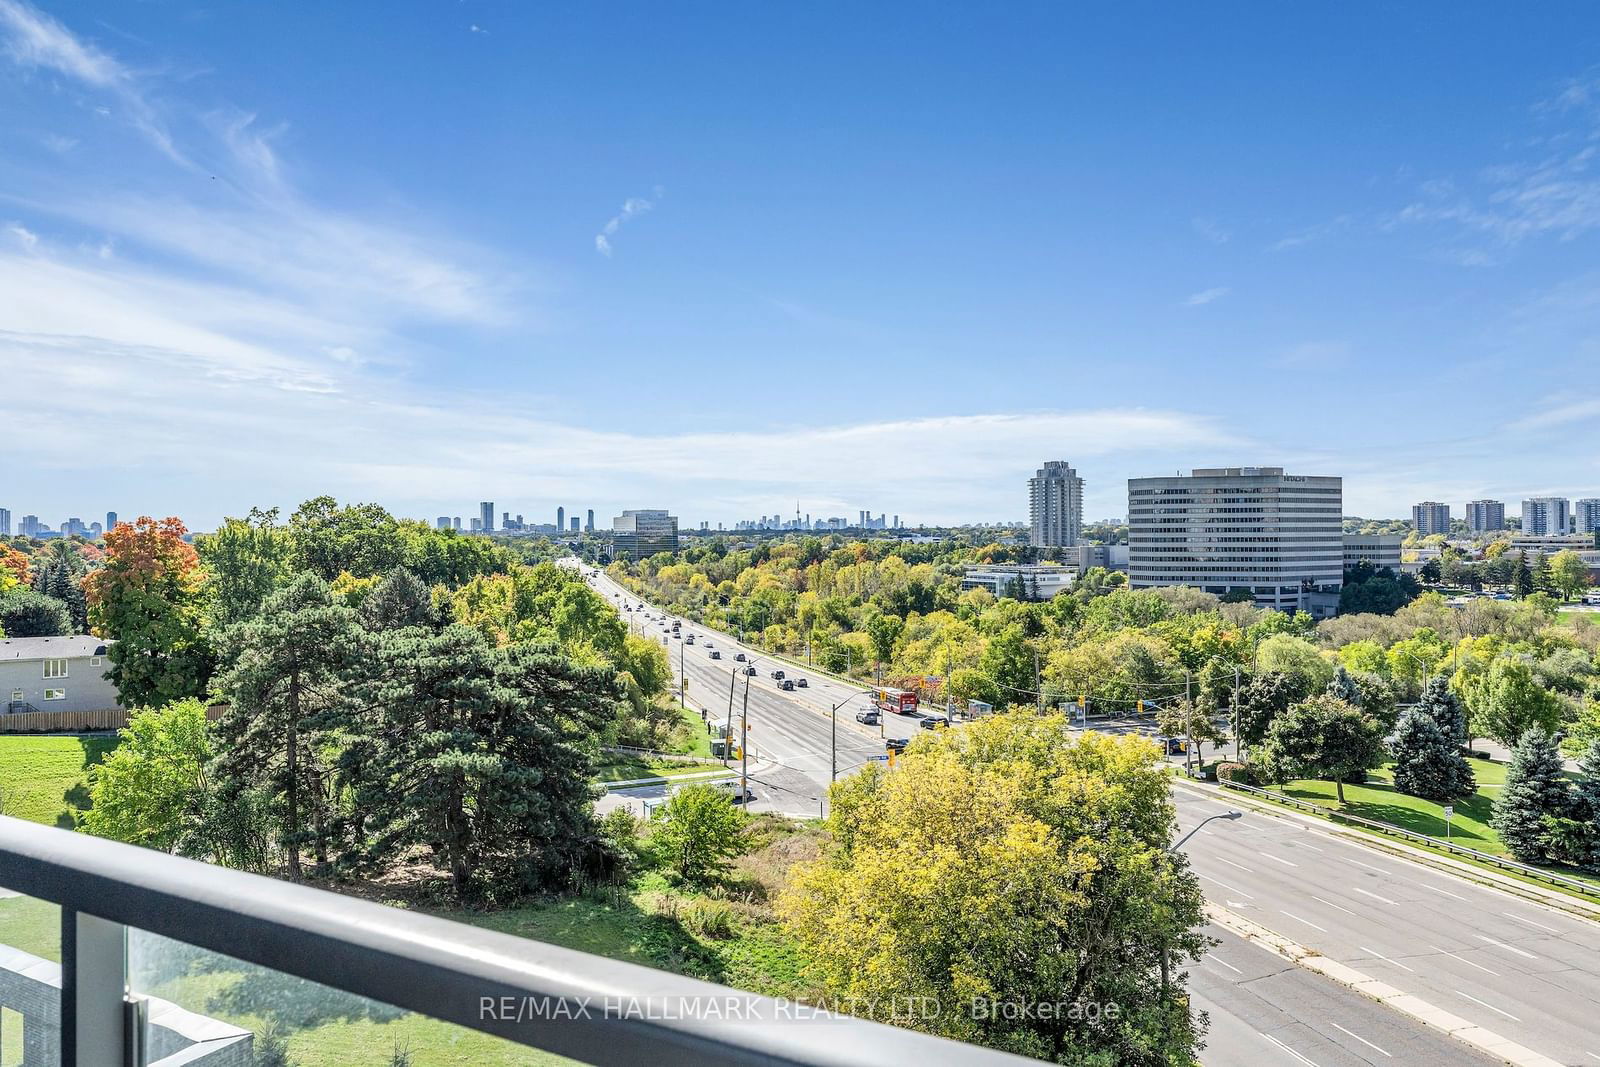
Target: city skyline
point(348, 334)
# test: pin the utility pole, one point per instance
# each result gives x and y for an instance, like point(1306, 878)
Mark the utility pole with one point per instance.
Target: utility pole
point(1233, 716)
point(1038, 683)
point(727, 737)
point(683, 679)
point(1188, 721)
point(744, 745)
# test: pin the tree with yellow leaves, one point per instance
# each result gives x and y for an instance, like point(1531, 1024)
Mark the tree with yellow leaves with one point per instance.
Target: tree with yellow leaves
point(1009, 884)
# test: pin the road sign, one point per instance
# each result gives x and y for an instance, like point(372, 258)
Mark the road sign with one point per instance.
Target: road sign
point(881, 759)
point(1449, 810)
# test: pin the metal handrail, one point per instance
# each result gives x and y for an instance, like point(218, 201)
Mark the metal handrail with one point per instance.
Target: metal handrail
point(1586, 888)
point(568, 1002)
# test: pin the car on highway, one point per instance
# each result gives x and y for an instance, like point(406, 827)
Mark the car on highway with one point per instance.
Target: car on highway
point(738, 657)
point(689, 640)
point(933, 722)
point(777, 676)
point(871, 717)
point(715, 654)
point(751, 669)
point(801, 682)
point(896, 744)
point(786, 685)
point(1173, 746)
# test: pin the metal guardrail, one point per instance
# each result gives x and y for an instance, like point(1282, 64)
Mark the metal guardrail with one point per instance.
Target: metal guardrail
point(571, 1003)
point(1586, 888)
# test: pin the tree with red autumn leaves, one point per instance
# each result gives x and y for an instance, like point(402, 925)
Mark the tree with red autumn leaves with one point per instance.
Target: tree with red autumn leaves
point(146, 598)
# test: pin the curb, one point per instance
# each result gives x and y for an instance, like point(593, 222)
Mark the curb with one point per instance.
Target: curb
point(1478, 1037)
point(1573, 906)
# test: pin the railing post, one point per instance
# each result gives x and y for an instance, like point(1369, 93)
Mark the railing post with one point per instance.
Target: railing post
point(94, 969)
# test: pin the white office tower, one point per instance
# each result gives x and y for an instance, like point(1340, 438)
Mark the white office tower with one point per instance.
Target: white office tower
point(1277, 536)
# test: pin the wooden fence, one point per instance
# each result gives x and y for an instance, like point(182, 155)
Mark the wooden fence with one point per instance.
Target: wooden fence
point(77, 722)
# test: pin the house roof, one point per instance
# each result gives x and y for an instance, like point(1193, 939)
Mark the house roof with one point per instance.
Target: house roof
point(24, 648)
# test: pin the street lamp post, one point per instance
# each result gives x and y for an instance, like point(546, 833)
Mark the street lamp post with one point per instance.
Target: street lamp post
point(1166, 963)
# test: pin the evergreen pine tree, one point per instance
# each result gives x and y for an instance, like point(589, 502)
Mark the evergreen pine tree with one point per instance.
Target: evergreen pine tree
point(1428, 764)
point(401, 599)
point(1543, 578)
point(1522, 576)
point(286, 680)
point(1343, 686)
point(1445, 708)
point(1534, 790)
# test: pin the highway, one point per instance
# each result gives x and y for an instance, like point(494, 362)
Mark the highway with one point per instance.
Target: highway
point(1527, 973)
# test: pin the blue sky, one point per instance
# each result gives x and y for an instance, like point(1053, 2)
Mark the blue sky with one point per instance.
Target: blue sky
point(724, 257)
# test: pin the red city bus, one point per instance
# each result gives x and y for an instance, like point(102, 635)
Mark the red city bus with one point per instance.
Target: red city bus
point(895, 700)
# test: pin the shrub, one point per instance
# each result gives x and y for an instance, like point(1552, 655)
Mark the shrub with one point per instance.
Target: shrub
point(708, 918)
point(1239, 773)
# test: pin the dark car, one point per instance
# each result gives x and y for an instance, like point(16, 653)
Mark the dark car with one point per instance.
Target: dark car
point(777, 676)
point(933, 722)
point(715, 654)
point(870, 717)
point(1173, 746)
point(738, 657)
point(896, 744)
point(750, 669)
point(786, 685)
point(801, 682)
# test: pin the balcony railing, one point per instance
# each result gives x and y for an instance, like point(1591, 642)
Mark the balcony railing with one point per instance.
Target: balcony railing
point(559, 1000)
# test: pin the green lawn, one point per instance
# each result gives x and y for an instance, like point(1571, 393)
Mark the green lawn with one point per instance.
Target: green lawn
point(623, 769)
point(1378, 799)
point(46, 778)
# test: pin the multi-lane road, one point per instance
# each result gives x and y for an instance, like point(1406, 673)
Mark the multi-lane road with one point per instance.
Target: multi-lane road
point(1453, 948)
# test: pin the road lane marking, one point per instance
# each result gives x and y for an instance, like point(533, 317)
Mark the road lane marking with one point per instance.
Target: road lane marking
point(1486, 1004)
point(1444, 892)
point(1297, 918)
point(1225, 885)
point(1241, 866)
point(1374, 896)
point(1302, 844)
point(1334, 906)
point(1289, 1050)
point(1464, 959)
point(1385, 959)
point(1509, 948)
point(1358, 1037)
point(1215, 959)
point(1530, 922)
point(1280, 859)
point(1368, 866)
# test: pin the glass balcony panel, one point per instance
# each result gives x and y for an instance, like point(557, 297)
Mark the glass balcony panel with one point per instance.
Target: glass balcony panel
point(251, 1016)
point(30, 981)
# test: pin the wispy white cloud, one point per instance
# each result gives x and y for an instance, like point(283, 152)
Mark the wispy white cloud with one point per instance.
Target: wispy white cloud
point(22, 235)
point(1322, 354)
point(1311, 234)
point(34, 40)
point(1206, 296)
point(1211, 230)
point(632, 208)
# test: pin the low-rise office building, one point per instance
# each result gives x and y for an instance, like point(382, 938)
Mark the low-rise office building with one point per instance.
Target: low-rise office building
point(55, 674)
point(642, 533)
point(1020, 581)
point(1380, 550)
